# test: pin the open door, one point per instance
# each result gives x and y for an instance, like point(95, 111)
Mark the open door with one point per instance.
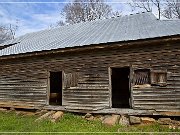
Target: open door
point(120, 87)
point(55, 97)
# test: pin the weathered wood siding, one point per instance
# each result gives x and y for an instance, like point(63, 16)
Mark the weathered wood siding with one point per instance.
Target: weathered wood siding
point(24, 81)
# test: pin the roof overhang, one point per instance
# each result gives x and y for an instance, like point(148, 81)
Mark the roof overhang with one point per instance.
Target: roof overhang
point(102, 46)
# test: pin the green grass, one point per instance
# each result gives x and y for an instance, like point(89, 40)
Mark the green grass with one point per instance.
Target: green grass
point(10, 122)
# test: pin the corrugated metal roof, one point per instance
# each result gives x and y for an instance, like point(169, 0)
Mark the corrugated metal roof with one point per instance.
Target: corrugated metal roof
point(132, 27)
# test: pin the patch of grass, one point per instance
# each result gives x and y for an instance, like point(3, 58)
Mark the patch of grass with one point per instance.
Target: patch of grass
point(10, 122)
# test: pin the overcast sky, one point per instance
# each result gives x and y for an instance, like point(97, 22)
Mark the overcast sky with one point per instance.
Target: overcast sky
point(35, 15)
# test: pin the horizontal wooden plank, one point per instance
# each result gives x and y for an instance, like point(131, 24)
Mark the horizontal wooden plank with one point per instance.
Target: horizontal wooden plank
point(151, 102)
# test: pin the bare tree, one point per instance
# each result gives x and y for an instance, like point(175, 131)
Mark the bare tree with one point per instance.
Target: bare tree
point(116, 14)
point(147, 5)
point(142, 4)
point(172, 9)
point(7, 32)
point(157, 3)
point(57, 24)
point(86, 10)
point(4, 34)
point(60, 23)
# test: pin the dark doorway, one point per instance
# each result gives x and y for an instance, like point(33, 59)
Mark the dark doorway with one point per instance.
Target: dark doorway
point(120, 87)
point(55, 97)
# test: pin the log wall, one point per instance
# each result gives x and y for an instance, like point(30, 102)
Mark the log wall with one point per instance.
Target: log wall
point(24, 81)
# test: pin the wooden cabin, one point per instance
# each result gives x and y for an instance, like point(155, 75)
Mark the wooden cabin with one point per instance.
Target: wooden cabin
point(124, 65)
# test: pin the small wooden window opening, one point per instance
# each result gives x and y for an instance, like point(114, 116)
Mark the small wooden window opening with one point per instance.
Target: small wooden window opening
point(142, 76)
point(151, 77)
point(159, 78)
point(71, 80)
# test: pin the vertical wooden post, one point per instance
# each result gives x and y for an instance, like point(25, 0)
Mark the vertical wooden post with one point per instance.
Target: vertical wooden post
point(63, 86)
point(131, 74)
point(48, 87)
point(110, 87)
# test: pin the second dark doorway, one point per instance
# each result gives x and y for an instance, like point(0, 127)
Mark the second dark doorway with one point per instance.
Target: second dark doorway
point(55, 97)
point(120, 87)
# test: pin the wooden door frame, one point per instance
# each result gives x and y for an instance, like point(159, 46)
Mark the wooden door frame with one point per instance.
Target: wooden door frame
point(48, 84)
point(130, 83)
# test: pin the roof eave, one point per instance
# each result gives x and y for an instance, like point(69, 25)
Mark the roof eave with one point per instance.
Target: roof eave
point(125, 44)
